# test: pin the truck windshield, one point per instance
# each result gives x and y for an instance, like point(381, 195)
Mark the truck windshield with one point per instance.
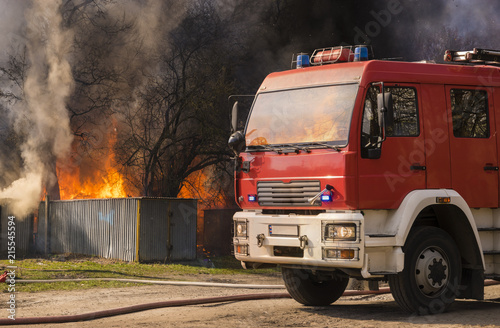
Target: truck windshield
point(302, 116)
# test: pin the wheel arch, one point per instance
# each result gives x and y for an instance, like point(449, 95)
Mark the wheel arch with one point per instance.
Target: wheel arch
point(420, 207)
point(455, 217)
point(455, 222)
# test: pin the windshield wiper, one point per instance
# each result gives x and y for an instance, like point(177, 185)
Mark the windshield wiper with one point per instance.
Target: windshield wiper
point(285, 148)
point(324, 145)
point(268, 147)
point(280, 149)
point(296, 148)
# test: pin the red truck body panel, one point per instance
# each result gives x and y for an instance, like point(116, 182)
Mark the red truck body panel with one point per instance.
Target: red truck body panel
point(467, 165)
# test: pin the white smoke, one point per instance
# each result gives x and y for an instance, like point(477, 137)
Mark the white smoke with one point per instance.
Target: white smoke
point(42, 118)
point(11, 25)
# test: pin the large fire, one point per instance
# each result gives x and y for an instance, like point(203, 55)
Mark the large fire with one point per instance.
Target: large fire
point(97, 178)
point(108, 184)
point(83, 177)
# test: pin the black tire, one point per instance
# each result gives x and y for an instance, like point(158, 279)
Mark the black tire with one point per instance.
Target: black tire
point(430, 281)
point(307, 289)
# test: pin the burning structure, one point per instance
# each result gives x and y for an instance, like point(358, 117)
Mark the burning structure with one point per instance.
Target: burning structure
point(92, 112)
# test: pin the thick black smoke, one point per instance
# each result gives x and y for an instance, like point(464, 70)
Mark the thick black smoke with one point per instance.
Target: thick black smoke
point(119, 43)
point(405, 29)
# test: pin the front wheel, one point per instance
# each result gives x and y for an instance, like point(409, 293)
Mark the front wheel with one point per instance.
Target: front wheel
point(432, 271)
point(314, 289)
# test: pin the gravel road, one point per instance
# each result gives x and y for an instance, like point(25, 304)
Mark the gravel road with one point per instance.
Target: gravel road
point(353, 311)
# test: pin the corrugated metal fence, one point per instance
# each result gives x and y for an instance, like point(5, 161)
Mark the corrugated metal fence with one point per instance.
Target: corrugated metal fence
point(23, 232)
point(130, 229)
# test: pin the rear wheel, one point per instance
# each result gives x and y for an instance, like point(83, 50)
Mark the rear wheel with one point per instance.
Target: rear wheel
point(314, 289)
point(432, 271)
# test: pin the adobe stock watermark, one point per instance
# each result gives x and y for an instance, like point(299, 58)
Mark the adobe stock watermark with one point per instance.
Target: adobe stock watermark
point(382, 19)
point(436, 306)
point(423, 149)
point(11, 268)
point(188, 213)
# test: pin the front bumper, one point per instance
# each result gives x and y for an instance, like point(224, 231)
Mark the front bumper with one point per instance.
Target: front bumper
point(299, 239)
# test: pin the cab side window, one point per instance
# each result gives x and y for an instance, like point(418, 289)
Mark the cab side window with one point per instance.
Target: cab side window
point(469, 110)
point(402, 122)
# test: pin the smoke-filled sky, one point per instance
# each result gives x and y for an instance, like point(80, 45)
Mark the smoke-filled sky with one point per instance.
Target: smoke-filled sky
point(11, 20)
point(269, 32)
point(408, 29)
point(279, 24)
point(42, 117)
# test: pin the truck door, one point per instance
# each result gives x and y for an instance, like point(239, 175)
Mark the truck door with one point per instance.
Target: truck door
point(401, 168)
point(473, 148)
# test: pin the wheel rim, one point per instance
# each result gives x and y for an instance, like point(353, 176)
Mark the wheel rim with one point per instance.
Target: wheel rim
point(431, 271)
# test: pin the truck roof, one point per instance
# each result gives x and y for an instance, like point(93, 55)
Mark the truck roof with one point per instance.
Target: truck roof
point(365, 72)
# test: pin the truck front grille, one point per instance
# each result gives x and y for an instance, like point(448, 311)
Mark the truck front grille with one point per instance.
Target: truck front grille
point(294, 193)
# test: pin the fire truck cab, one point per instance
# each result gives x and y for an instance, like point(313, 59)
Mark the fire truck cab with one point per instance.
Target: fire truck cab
point(373, 169)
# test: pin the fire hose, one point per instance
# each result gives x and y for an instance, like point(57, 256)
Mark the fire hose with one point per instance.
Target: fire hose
point(173, 303)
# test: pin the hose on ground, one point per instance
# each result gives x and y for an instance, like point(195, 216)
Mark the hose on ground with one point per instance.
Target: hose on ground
point(139, 307)
point(174, 303)
point(158, 282)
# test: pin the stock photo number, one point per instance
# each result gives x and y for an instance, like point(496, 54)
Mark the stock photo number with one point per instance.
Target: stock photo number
point(11, 273)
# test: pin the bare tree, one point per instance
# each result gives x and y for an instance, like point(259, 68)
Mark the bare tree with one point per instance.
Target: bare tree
point(179, 123)
point(12, 76)
point(100, 69)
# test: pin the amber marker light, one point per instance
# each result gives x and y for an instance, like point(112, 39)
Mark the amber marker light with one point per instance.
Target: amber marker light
point(443, 200)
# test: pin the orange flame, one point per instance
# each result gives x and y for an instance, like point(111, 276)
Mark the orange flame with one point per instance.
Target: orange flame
point(108, 185)
point(200, 185)
point(77, 181)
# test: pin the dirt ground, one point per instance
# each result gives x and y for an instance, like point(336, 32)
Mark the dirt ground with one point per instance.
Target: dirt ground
point(353, 311)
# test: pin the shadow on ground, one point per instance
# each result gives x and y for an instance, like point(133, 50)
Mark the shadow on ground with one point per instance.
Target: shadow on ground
point(462, 312)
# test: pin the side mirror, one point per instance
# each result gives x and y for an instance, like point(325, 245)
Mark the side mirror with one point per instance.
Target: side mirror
point(385, 112)
point(237, 142)
point(234, 117)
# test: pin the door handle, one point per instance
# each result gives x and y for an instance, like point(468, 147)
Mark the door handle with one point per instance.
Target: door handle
point(491, 168)
point(418, 167)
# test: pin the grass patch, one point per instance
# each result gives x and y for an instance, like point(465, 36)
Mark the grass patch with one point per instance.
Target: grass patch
point(72, 266)
point(72, 285)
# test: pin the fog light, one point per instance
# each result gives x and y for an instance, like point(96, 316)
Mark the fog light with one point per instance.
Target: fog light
point(340, 254)
point(241, 249)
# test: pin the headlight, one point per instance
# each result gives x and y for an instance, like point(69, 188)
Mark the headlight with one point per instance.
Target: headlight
point(240, 229)
point(340, 232)
point(347, 232)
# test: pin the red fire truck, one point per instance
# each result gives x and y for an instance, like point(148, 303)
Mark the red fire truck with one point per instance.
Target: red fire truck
point(373, 169)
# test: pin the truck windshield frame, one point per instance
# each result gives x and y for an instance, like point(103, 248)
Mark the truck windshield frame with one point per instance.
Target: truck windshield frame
point(314, 116)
